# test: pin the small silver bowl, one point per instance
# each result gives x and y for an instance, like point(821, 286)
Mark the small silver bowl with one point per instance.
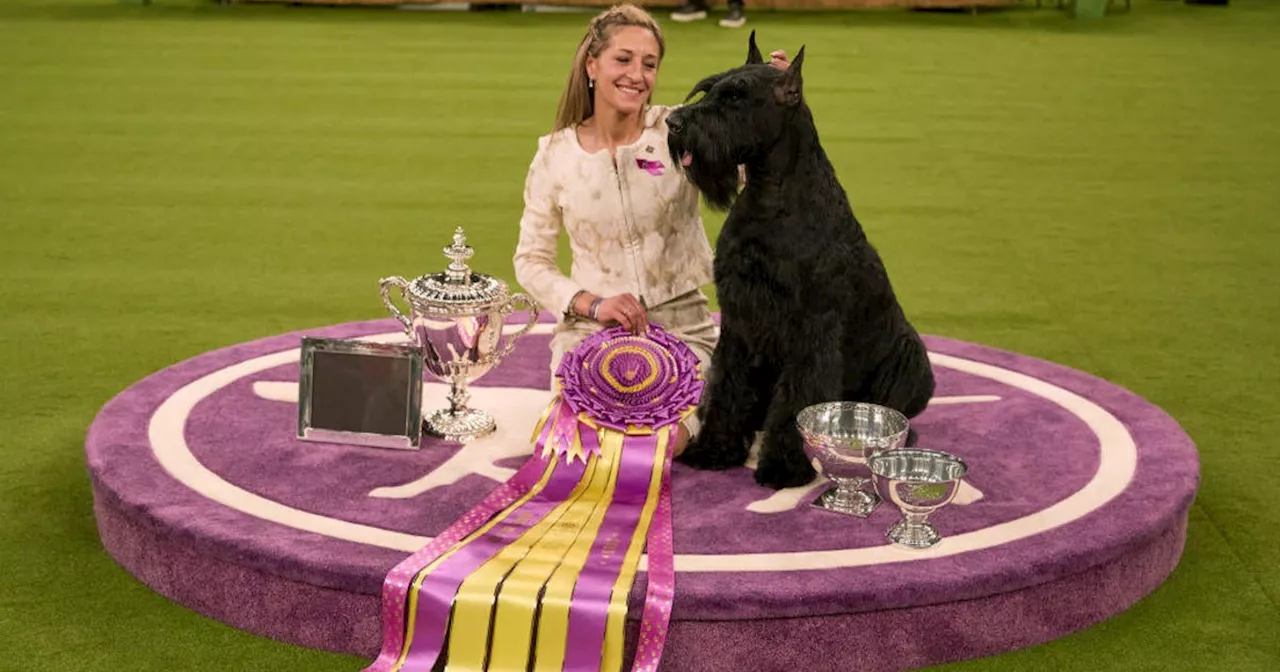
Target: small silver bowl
point(919, 481)
point(840, 436)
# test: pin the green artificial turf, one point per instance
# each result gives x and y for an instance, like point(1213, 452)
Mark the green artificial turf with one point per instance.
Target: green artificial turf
point(182, 176)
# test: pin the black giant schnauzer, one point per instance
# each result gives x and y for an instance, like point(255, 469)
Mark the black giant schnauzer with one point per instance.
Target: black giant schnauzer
point(808, 312)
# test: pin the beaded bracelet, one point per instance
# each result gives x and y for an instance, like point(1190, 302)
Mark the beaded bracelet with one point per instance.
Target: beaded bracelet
point(573, 304)
point(592, 311)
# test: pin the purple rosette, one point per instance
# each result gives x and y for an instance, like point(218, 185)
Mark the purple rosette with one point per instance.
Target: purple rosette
point(620, 380)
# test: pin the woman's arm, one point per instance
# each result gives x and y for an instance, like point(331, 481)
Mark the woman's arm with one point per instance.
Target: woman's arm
point(535, 257)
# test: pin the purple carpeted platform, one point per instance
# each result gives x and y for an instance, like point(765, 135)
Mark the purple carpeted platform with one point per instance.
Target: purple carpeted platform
point(1074, 508)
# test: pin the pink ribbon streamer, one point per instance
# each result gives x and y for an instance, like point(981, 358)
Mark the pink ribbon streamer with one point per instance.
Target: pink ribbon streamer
point(564, 429)
point(435, 595)
point(662, 579)
point(395, 587)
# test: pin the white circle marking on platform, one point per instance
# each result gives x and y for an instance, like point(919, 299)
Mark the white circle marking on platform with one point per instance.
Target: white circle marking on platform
point(1117, 464)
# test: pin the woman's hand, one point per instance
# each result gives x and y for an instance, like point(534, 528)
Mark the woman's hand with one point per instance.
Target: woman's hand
point(778, 59)
point(625, 310)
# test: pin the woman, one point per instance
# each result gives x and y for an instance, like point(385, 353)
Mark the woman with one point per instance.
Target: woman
point(604, 175)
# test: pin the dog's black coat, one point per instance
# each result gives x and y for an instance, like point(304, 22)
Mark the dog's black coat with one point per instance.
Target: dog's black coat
point(808, 312)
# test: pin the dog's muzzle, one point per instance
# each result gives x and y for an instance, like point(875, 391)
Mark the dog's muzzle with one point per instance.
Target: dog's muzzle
point(675, 131)
point(675, 122)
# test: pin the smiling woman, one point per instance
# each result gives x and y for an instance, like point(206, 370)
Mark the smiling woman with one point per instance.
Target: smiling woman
point(640, 252)
point(635, 47)
point(605, 176)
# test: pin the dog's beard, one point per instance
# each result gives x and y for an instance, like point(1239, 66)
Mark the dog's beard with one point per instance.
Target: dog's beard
point(709, 165)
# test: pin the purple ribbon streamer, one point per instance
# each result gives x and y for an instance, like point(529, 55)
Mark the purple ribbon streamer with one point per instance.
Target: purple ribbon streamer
point(395, 587)
point(439, 588)
point(589, 604)
point(588, 613)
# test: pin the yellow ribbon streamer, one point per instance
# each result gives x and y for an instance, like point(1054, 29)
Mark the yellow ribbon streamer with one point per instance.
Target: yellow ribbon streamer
point(512, 612)
point(554, 554)
point(501, 517)
point(553, 620)
point(473, 605)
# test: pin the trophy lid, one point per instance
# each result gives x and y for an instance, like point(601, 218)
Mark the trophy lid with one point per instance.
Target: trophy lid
point(457, 289)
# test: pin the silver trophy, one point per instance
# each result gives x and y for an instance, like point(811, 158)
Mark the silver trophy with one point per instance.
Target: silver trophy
point(841, 435)
point(457, 319)
point(919, 481)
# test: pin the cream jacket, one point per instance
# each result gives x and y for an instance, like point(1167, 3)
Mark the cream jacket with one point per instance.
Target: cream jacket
point(633, 221)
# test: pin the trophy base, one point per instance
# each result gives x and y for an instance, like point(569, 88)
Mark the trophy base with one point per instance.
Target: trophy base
point(462, 425)
point(913, 535)
point(857, 503)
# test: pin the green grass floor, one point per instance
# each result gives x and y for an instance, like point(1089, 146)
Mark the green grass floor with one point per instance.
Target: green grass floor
point(182, 176)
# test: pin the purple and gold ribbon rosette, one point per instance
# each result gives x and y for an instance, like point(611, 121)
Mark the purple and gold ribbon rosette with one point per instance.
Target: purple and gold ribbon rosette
point(537, 575)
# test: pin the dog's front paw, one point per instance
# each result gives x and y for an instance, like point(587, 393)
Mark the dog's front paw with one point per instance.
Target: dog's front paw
point(780, 469)
point(709, 453)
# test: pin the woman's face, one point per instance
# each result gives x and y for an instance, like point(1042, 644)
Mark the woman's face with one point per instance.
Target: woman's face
point(626, 70)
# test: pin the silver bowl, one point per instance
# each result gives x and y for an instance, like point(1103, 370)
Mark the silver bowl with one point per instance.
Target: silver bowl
point(919, 481)
point(841, 436)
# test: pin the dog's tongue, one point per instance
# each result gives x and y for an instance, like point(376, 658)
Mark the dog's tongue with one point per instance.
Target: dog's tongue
point(686, 160)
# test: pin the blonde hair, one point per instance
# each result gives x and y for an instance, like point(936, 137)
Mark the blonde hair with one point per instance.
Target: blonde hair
point(576, 103)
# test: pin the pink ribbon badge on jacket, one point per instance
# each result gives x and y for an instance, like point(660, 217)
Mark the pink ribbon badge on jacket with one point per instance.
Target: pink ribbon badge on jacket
point(653, 167)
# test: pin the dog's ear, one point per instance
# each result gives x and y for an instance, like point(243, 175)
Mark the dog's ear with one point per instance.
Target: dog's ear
point(790, 87)
point(753, 52)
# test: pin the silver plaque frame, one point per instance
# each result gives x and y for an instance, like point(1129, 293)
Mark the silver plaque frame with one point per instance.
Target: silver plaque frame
point(360, 392)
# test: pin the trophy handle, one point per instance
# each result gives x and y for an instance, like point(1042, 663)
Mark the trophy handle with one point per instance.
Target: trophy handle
point(507, 308)
point(386, 284)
